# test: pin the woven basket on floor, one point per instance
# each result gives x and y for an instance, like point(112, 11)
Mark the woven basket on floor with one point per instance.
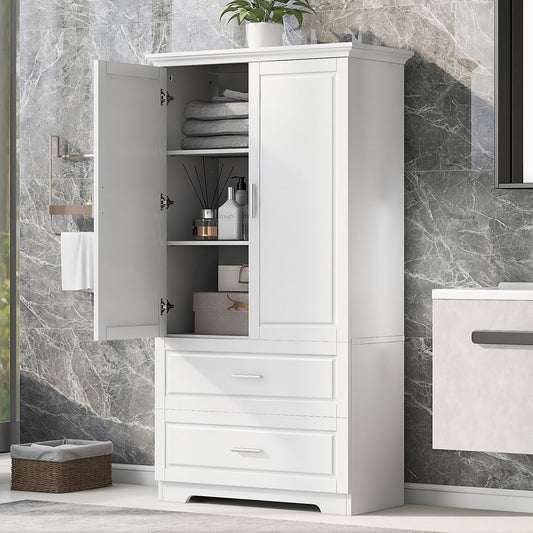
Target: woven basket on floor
point(68, 476)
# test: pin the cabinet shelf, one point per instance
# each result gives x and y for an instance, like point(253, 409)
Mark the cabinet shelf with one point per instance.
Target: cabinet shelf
point(207, 243)
point(198, 336)
point(213, 152)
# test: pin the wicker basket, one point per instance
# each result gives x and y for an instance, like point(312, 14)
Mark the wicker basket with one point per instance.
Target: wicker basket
point(39, 475)
point(48, 476)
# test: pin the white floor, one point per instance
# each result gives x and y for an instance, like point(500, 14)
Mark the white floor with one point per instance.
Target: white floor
point(408, 517)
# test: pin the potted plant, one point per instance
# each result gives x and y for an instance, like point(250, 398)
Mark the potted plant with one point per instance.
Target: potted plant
point(265, 18)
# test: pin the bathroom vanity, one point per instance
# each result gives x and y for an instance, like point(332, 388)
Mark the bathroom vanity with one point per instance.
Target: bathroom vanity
point(483, 369)
point(308, 407)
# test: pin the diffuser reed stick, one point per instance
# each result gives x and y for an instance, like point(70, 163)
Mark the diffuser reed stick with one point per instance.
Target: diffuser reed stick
point(202, 192)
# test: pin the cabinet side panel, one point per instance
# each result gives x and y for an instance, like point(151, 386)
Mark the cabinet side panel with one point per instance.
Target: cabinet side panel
point(376, 196)
point(377, 449)
point(129, 169)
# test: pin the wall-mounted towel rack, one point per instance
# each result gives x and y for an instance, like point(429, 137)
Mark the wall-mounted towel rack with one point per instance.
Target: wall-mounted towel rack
point(54, 209)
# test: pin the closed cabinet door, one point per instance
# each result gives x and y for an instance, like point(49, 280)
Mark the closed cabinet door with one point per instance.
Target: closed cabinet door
point(294, 175)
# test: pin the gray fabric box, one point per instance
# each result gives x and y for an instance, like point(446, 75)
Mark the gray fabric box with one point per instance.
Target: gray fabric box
point(220, 313)
point(60, 451)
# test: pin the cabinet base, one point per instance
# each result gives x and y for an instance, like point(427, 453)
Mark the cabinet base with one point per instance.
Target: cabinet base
point(327, 503)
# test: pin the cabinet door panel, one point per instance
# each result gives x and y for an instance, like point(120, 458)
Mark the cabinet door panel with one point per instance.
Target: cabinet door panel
point(296, 225)
point(130, 159)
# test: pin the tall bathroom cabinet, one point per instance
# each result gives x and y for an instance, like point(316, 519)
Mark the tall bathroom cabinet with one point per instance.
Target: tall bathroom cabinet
point(309, 406)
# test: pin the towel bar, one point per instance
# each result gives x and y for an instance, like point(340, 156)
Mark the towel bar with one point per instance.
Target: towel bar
point(54, 209)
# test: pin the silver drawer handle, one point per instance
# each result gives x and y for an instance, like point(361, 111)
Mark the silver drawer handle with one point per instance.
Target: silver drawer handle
point(247, 450)
point(247, 376)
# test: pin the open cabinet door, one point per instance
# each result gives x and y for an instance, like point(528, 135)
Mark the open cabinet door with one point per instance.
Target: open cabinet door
point(130, 177)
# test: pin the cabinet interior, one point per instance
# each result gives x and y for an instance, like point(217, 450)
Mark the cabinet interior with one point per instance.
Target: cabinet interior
point(192, 266)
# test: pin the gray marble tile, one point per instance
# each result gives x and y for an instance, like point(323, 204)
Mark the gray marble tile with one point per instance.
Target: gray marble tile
point(461, 232)
point(42, 302)
point(56, 87)
point(88, 389)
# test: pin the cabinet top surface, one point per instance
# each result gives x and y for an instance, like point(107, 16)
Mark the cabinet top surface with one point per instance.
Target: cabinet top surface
point(492, 293)
point(281, 53)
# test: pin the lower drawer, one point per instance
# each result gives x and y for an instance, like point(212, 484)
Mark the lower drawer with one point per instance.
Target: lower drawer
point(250, 450)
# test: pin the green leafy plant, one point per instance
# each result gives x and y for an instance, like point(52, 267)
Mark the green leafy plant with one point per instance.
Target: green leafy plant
point(267, 11)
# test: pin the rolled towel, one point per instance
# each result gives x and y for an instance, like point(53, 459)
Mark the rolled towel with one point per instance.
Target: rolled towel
point(235, 95)
point(233, 126)
point(215, 141)
point(77, 261)
point(216, 110)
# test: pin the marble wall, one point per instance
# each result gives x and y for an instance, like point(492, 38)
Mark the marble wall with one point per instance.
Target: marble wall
point(459, 230)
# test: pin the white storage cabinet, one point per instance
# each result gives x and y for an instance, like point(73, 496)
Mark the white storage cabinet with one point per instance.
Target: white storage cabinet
point(309, 406)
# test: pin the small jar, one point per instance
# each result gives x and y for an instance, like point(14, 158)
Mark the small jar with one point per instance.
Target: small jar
point(205, 228)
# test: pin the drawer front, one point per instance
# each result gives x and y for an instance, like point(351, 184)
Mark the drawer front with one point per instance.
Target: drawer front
point(299, 458)
point(482, 394)
point(249, 375)
point(304, 452)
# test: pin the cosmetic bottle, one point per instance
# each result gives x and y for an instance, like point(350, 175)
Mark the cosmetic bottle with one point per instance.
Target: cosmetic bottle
point(230, 219)
point(241, 197)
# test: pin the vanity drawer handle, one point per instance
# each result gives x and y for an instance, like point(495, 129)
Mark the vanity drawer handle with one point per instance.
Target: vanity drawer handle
point(517, 338)
point(247, 450)
point(247, 376)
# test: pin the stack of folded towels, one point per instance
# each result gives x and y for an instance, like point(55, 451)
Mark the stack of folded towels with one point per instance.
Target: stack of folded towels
point(221, 123)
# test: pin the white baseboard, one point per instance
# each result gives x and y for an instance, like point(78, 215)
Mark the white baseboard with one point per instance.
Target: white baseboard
point(133, 474)
point(517, 501)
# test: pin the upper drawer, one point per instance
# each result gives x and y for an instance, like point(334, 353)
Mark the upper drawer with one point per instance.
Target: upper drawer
point(249, 375)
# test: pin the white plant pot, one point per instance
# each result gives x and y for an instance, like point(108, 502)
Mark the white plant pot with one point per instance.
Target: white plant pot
point(261, 34)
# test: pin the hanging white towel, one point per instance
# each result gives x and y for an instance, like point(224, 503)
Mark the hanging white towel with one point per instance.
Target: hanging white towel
point(77, 261)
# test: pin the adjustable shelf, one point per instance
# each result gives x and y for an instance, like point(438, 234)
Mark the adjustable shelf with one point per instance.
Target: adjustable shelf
point(207, 243)
point(213, 152)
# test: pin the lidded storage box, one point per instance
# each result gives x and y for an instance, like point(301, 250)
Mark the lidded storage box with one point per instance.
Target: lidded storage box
point(61, 466)
point(233, 278)
point(220, 313)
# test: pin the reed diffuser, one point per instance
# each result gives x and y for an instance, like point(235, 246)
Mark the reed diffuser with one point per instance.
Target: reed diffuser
point(205, 228)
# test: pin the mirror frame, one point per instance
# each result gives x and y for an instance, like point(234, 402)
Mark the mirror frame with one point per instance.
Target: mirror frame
point(508, 52)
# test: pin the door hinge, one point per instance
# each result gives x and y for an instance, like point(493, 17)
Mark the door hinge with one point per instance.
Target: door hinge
point(166, 306)
point(166, 97)
point(166, 202)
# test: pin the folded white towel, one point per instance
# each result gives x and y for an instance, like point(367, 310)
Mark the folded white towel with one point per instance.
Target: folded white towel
point(215, 141)
point(77, 261)
point(201, 128)
point(216, 110)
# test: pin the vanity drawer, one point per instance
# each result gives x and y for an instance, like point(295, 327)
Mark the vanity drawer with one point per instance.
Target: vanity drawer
point(244, 450)
point(482, 394)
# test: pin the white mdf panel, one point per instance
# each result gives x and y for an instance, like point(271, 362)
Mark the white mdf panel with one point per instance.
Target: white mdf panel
point(278, 452)
point(482, 394)
point(130, 171)
point(295, 200)
point(376, 199)
point(249, 375)
point(246, 345)
point(376, 426)
point(249, 449)
point(302, 378)
point(329, 503)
